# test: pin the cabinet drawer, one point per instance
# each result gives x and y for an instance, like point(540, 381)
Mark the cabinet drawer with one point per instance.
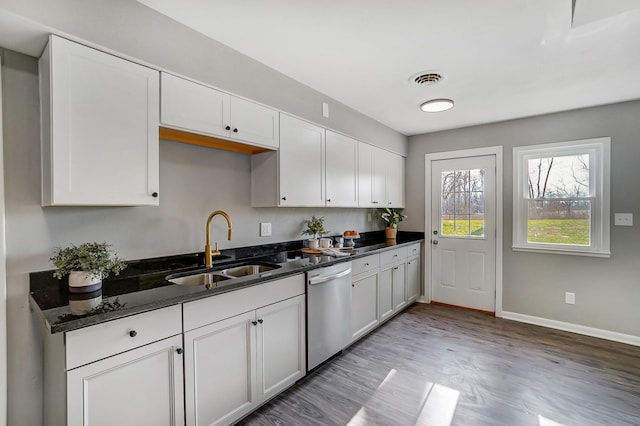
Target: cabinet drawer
point(226, 305)
point(393, 255)
point(365, 264)
point(413, 250)
point(103, 340)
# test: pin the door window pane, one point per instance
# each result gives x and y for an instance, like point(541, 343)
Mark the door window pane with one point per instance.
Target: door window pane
point(462, 203)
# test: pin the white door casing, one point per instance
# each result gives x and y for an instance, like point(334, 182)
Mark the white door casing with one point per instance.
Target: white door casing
point(464, 270)
point(3, 280)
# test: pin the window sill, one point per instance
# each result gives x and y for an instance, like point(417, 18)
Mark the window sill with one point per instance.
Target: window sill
point(572, 252)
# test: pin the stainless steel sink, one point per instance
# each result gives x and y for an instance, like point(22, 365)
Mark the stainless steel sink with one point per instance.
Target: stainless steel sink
point(245, 270)
point(208, 278)
point(211, 279)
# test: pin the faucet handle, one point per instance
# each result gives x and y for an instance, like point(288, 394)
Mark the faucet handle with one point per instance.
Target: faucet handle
point(215, 252)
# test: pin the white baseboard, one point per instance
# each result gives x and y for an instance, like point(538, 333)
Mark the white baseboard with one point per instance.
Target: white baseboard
point(574, 328)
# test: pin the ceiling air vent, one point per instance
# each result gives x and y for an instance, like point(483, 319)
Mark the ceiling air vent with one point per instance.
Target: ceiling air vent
point(427, 79)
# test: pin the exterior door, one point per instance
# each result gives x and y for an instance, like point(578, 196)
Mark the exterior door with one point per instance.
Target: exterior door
point(463, 232)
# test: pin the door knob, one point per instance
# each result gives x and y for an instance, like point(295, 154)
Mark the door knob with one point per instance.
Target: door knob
point(435, 242)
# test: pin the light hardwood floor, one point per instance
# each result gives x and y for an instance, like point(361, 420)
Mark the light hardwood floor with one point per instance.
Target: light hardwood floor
point(436, 365)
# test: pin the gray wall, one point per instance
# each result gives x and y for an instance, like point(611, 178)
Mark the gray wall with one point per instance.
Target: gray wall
point(607, 290)
point(193, 181)
point(130, 28)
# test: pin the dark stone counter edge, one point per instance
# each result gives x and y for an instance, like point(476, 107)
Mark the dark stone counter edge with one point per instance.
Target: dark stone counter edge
point(240, 254)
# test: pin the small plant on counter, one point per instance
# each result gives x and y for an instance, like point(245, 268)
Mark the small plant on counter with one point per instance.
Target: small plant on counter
point(392, 217)
point(315, 227)
point(92, 258)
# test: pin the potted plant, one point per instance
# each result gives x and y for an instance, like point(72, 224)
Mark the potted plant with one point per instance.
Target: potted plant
point(86, 265)
point(315, 228)
point(392, 218)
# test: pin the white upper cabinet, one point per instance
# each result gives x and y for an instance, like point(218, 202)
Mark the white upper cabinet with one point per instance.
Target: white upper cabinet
point(100, 120)
point(193, 107)
point(196, 108)
point(395, 180)
point(380, 177)
point(294, 176)
point(341, 170)
point(301, 163)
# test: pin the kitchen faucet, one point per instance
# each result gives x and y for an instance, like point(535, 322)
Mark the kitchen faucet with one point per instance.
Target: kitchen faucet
point(208, 253)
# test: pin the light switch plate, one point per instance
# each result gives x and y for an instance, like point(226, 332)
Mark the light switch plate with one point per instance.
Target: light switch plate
point(265, 229)
point(325, 110)
point(623, 219)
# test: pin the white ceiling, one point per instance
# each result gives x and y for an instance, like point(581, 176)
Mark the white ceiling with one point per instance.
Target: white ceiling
point(501, 59)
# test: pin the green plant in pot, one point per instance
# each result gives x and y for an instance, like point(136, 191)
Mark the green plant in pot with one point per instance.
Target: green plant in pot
point(315, 229)
point(86, 265)
point(392, 218)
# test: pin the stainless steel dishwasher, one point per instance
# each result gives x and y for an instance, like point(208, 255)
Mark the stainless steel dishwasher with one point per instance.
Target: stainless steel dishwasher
point(328, 312)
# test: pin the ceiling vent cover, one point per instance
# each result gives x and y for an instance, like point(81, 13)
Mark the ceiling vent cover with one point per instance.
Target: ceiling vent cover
point(427, 79)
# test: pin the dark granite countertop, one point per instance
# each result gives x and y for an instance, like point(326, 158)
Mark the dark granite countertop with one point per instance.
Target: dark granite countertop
point(142, 285)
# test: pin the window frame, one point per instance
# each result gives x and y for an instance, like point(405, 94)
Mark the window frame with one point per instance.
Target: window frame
point(599, 150)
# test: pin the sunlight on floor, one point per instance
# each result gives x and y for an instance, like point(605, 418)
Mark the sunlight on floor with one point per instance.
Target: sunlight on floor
point(435, 406)
point(543, 421)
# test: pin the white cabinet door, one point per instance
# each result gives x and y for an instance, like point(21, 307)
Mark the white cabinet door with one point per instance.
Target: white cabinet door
point(341, 170)
point(364, 305)
point(398, 285)
point(301, 163)
point(99, 128)
point(140, 387)
point(365, 175)
point(190, 106)
point(413, 279)
point(281, 346)
point(395, 180)
point(385, 293)
point(371, 176)
point(254, 123)
point(379, 177)
point(220, 371)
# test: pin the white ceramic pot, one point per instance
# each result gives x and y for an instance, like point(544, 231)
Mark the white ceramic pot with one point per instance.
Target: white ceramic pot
point(81, 303)
point(313, 243)
point(84, 282)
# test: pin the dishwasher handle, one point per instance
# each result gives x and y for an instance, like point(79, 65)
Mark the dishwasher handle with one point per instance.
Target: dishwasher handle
point(319, 279)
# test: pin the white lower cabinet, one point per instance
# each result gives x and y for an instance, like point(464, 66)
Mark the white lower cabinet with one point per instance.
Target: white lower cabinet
point(143, 386)
point(392, 285)
point(235, 364)
point(126, 371)
point(364, 304)
point(413, 279)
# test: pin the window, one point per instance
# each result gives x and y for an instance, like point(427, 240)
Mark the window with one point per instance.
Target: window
point(561, 197)
point(462, 203)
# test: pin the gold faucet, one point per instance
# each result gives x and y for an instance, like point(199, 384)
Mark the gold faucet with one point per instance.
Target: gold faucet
point(208, 253)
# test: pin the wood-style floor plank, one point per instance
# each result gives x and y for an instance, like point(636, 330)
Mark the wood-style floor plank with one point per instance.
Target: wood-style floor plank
point(436, 365)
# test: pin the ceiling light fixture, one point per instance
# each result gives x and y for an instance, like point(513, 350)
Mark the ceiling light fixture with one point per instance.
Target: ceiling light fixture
point(437, 105)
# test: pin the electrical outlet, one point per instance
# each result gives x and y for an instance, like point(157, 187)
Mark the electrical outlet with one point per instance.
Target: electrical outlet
point(369, 217)
point(265, 229)
point(570, 298)
point(623, 219)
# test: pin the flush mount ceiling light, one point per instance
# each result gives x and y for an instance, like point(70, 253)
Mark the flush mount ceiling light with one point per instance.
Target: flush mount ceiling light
point(437, 105)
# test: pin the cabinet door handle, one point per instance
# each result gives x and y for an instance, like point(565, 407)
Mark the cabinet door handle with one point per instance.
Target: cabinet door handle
point(396, 268)
point(227, 128)
point(235, 130)
point(284, 198)
point(254, 322)
point(389, 203)
point(366, 264)
point(154, 195)
point(260, 320)
point(133, 333)
point(329, 200)
point(179, 351)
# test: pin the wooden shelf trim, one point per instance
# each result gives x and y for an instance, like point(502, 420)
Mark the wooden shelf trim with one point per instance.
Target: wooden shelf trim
point(209, 141)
